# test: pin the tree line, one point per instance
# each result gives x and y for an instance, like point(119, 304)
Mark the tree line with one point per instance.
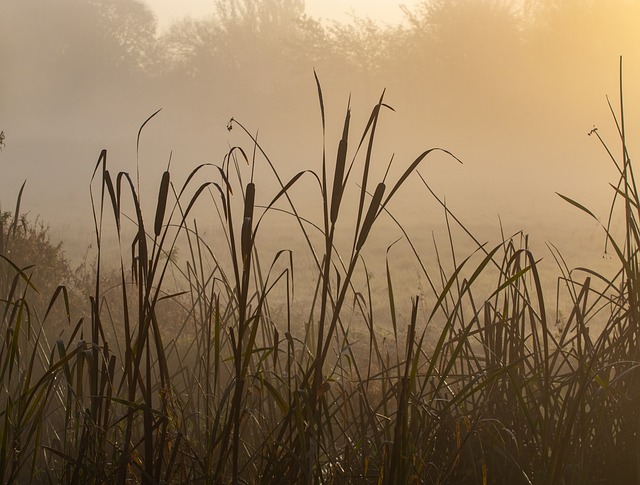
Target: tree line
point(96, 47)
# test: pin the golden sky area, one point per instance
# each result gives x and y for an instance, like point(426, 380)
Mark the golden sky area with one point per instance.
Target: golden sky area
point(341, 10)
point(513, 94)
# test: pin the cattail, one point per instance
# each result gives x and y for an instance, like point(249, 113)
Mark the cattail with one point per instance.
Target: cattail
point(371, 215)
point(248, 220)
point(162, 203)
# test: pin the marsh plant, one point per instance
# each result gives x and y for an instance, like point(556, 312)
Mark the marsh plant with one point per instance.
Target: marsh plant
point(197, 366)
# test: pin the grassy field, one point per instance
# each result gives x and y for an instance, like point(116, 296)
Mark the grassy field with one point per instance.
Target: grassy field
point(206, 365)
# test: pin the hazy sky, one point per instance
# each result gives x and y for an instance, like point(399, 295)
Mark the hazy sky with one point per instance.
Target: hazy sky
point(517, 113)
point(383, 10)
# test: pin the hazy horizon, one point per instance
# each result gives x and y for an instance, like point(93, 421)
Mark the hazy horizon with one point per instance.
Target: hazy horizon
point(511, 88)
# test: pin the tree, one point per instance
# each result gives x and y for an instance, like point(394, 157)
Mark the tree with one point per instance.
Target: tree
point(260, 44)
point(91, 47)
point(130, 28)
point(458, 35)
point(189, 47)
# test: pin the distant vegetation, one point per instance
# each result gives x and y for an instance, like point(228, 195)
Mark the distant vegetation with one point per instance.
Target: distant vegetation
point(501, 81)
point(112, 54)
point(199, 369)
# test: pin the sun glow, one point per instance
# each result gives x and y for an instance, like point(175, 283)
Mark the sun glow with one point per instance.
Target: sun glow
point(388, 12)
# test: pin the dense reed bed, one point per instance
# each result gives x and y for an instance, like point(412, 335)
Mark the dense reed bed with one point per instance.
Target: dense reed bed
point(199, 369)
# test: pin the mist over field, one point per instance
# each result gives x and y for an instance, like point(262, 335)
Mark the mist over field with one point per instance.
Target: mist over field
point(512, 88)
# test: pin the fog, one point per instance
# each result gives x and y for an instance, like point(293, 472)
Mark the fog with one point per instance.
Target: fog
point(511, 88)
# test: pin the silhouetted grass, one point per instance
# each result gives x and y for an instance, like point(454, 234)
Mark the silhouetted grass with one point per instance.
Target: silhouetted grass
point(211, 383)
